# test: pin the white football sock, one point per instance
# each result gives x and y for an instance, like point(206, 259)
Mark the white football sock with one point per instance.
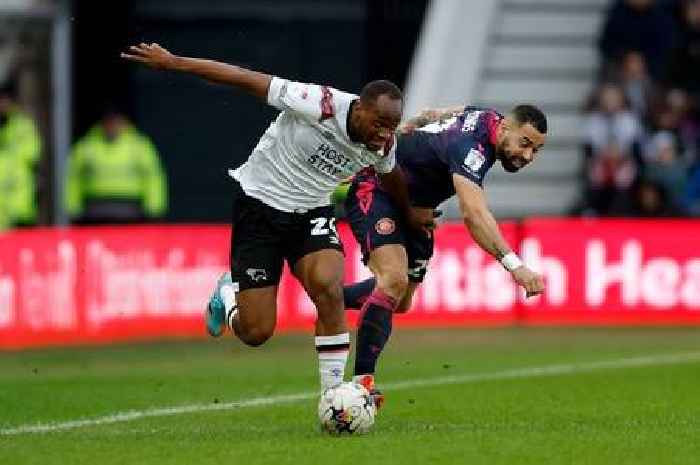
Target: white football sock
point(332, 357)
point(228, 295)
point(230, 315)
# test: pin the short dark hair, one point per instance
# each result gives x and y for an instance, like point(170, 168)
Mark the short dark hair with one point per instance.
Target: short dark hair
point(373, 90)
point(524, 114)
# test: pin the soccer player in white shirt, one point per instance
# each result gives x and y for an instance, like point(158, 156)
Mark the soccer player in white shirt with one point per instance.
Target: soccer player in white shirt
point(282, 194)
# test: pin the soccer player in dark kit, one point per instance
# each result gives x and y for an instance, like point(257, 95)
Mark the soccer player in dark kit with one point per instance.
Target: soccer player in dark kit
point(441, 153)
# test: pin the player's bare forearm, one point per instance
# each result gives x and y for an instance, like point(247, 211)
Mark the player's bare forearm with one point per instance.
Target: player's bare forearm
point(430, 116)
point(478, 218)
point(155, 56)
point(253, 82)
point(484, 229)
point(433, 115)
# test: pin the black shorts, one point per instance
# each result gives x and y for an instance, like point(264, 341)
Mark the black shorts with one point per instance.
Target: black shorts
point(376, 221)
point(263, 237)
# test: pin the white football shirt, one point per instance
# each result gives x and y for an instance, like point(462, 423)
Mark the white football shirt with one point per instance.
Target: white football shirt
point(306, 151)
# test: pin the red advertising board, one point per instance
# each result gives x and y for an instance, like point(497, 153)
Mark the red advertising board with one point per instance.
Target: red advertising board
point(614, 271)
point(106, 284)
point(464, 285)
point(99, 285)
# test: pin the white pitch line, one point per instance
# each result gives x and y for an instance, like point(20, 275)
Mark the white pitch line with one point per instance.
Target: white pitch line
point(516, 373)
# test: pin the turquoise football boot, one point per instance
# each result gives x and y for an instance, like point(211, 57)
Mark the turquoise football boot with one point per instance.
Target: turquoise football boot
point(215, 315)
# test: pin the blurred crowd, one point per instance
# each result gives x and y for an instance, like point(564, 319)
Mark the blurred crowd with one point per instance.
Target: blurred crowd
point(641, 135)
point(642, 127)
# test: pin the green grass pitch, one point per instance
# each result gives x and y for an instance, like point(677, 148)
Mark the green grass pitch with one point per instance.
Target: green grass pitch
point(477, 396)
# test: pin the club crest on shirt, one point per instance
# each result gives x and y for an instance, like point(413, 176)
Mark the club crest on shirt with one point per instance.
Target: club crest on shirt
point(474, 160)
point(385, 226)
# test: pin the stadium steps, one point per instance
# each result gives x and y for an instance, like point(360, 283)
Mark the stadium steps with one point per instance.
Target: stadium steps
point(543, 52)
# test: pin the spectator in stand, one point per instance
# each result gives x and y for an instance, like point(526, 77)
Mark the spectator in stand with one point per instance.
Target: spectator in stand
point(665, 167)
point(685, 124)
point(673, 114)
point(20, 146)
point(7, 188)
point(642, 25)
point(684, 70)
point(646, 200)
point(636, 83)
point(115, 175)
point(612, 150)
point(691, 199)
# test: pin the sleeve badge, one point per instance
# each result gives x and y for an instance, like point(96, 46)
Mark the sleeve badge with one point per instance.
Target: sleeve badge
point(474, 160)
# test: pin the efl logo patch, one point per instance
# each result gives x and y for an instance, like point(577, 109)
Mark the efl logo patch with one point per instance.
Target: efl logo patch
point(385, 226)
point(474, 160)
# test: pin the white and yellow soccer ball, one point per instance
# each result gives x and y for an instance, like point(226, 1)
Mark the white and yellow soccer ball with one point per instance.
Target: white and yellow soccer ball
point(346, 409)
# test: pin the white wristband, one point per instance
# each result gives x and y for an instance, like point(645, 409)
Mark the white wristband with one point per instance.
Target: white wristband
point(511, 262)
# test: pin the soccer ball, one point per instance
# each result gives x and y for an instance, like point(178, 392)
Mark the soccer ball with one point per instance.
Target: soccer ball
point(346, 409)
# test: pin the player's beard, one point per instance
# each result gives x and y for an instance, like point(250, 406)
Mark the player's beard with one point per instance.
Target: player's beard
point(508, 164)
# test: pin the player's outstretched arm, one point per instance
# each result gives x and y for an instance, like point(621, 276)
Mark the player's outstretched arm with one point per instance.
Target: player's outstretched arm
point(428, 116)
point(484, 229)
point(157, 57)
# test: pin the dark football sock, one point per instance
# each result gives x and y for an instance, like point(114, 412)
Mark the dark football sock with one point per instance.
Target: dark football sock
point(373, 331)
point(356, 294)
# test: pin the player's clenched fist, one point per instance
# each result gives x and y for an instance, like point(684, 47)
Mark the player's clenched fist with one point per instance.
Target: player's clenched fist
point(152, 55)
point(528, 279)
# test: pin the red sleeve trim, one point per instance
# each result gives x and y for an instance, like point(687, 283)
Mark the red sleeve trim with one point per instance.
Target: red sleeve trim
point(327, 108)
point(493, 122)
